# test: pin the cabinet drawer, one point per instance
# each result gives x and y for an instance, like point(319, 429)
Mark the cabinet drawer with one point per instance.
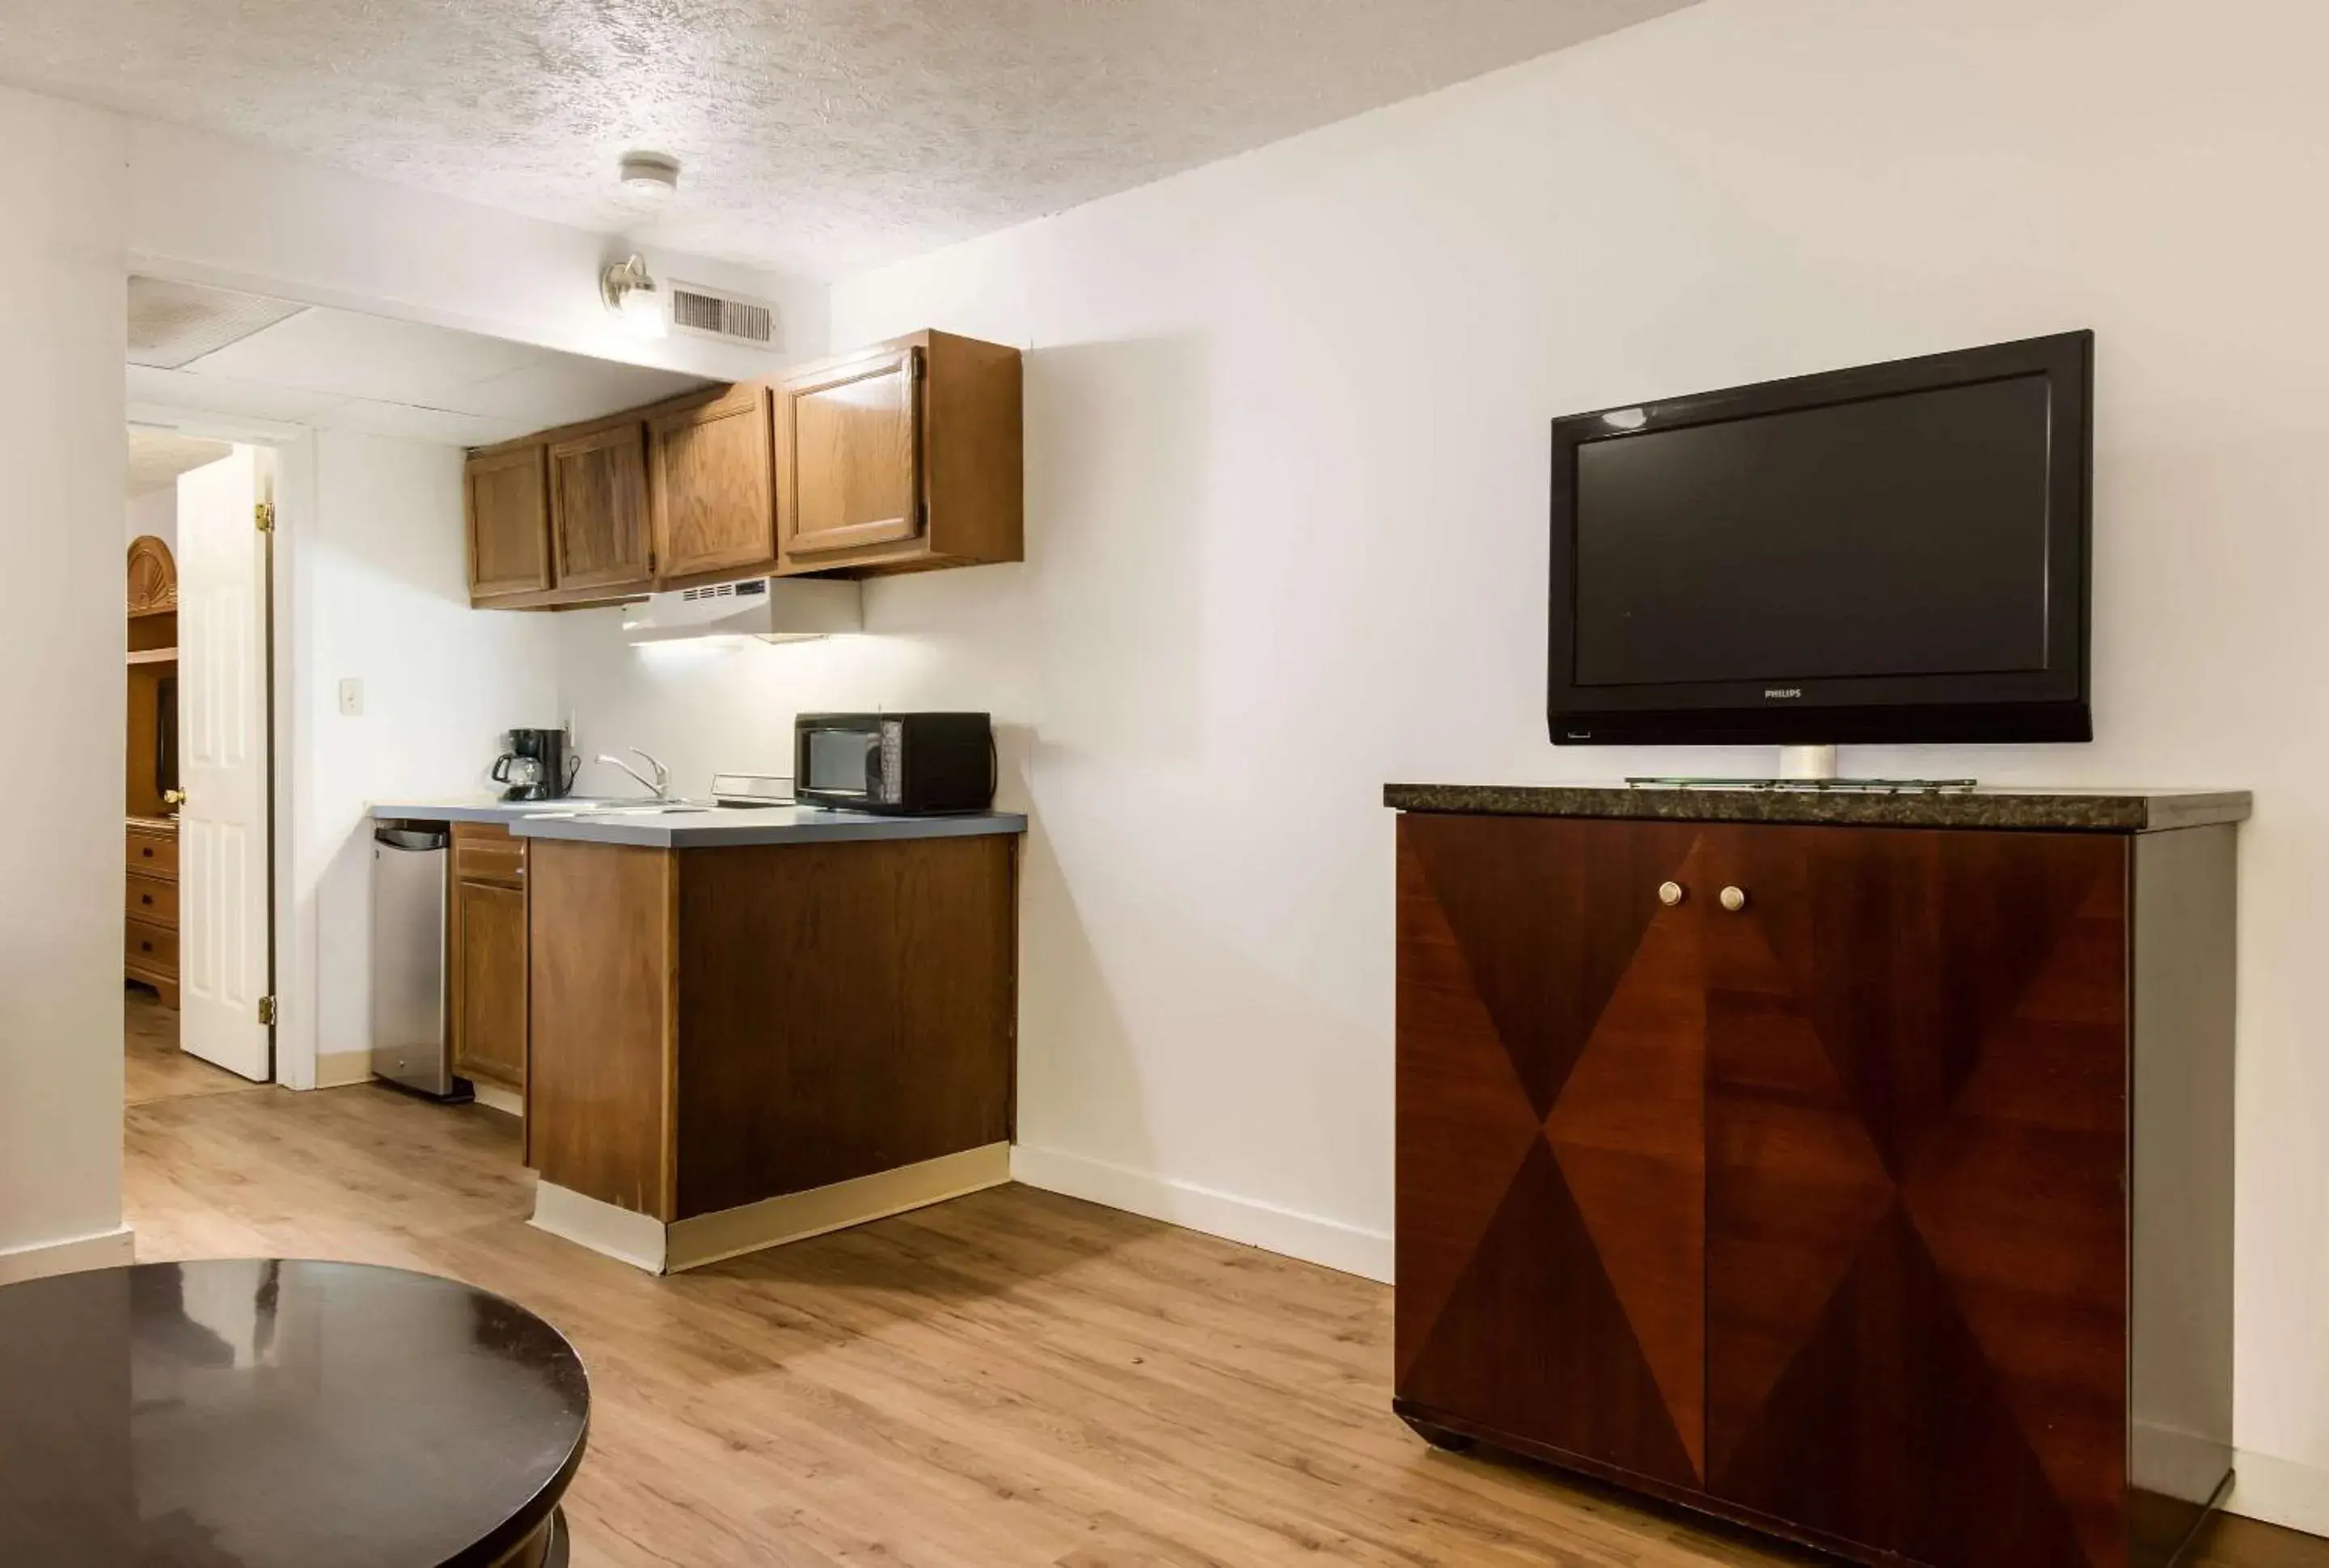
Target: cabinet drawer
point(149, 946)
point(156, 854)
point(484, 852)
point(154, 899)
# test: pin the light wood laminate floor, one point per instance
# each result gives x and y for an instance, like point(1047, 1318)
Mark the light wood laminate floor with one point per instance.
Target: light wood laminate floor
point(156, 1069)
point(1013, 1378)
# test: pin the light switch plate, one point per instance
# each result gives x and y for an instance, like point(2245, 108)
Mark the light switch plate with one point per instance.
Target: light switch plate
point(352, 697)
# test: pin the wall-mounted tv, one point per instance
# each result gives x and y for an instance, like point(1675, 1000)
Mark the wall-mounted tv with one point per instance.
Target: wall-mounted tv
point(1895, 553)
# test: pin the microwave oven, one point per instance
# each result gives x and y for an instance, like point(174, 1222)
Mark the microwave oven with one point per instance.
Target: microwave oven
point(896, 764)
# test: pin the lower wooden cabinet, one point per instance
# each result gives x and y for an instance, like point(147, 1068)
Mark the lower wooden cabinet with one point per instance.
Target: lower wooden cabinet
point(486, 933)
point(717, 1026)
point(1786, 1171)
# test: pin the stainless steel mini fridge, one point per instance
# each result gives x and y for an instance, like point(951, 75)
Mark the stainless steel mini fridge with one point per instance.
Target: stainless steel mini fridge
point(409, 1044)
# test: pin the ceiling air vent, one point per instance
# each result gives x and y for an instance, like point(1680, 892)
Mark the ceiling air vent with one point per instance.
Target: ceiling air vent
point(707, 313)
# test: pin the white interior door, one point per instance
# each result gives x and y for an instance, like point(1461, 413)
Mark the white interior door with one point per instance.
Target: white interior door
point(222, 764)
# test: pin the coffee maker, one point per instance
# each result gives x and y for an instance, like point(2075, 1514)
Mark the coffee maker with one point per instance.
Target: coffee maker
point(536, 766)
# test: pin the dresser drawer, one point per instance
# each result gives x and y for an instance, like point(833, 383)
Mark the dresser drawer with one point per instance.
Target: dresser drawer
point(150, 948)
point(484, 852)
point(152, 899)
point(156, 854)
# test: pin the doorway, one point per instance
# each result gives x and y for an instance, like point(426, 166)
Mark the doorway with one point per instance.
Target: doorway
point(198, 940)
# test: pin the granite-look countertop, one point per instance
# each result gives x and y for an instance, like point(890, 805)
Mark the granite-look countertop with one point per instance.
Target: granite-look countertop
point(2060, 810)
point(697, 826)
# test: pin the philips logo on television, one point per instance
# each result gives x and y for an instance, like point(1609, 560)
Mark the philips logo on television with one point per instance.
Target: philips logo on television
point(1777, 693)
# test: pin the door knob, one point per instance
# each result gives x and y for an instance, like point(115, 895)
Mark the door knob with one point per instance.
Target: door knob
point(174, 798)
point(1734, 898)
point(1670, 894)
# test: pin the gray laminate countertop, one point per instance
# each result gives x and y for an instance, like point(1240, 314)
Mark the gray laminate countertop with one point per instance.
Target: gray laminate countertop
point(697, 827)
point(2061, 810)
point(504, 812)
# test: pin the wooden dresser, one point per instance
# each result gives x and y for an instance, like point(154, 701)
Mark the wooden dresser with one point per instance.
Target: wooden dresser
point(1859, 1168)
point(150, 906)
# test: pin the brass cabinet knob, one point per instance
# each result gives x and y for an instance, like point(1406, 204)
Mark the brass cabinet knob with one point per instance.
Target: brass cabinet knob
point(1734, 898)
point(1670, 894)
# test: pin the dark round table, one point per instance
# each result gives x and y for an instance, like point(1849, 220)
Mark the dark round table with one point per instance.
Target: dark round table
point(250, 1412)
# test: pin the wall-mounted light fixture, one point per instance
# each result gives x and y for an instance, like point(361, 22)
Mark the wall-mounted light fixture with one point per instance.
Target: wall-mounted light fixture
point(630, 292)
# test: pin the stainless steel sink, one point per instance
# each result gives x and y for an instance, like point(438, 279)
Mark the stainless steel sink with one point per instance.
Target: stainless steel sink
point(632, 809)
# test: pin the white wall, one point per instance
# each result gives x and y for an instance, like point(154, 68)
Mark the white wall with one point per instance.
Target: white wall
point(155, 513)
point(62, 452)
point(377, 544)
point(1286, 456)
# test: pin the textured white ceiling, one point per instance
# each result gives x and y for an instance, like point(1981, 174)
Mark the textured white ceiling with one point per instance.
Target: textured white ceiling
point(156, 457)
point(820, 137)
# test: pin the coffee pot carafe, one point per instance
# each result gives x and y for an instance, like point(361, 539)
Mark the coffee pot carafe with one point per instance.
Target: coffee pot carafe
point(536, 767)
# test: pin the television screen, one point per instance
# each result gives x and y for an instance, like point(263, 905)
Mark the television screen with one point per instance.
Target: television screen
point(1895, 553)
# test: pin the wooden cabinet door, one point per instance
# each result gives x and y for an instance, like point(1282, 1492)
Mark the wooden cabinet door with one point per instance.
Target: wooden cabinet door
point(489, 982)
point(711, 483)
point(1916, 1122)
point(599, 530)
point(508, 503)
point(849, 443)
point(1550, 1185)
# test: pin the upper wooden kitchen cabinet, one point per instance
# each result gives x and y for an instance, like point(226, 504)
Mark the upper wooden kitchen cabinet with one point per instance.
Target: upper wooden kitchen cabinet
point(601, 535)
point(507, 492)
point(905, 456)
point(902, 457)
point(711, 485)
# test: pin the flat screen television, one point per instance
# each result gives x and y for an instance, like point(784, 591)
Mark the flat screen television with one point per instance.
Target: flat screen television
point(1896, 552)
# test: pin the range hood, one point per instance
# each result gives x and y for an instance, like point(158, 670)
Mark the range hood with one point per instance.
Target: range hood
point(772, 609)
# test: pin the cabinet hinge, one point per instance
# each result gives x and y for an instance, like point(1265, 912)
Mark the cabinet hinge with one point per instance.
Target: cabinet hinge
point(263, 515)
point(266, 1011)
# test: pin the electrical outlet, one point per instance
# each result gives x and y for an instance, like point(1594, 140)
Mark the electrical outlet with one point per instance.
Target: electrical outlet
point(352, 697)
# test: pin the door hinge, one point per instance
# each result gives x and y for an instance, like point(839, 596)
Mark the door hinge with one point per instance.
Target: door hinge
point(266, 1011)
point(264, 515)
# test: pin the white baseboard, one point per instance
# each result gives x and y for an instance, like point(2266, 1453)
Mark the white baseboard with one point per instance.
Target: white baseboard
point(105, 1249)
point(338, 1069)
point(2280, 1492)
point(1313, 1239)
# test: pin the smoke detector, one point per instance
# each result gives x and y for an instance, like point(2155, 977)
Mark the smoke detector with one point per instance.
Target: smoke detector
point(652, 176)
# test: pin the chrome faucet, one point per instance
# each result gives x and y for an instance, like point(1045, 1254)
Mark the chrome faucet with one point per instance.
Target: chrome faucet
point(659, 786)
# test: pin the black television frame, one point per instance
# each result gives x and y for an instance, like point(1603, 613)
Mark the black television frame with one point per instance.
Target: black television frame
point(2023, 707)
